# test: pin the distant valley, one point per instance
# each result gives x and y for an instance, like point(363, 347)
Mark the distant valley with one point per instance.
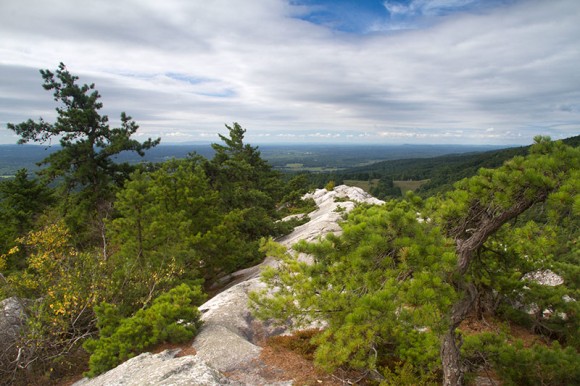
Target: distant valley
point(317, 158)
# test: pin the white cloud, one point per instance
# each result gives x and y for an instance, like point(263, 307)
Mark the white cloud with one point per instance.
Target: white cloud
point(434, 7)
point(190, 66)
point(395, 8)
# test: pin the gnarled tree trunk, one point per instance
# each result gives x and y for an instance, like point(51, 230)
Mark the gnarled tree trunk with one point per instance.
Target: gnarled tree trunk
point(469, 237)
point(451, 360)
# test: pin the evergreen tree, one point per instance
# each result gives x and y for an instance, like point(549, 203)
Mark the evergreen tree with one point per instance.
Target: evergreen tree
point(400, 280)
point(480, 206)
point(85, 161)
point(172, 227)
point(22, 200)
point(380, 287)
point(161, 215)
point(246, 182)
point(385, 189)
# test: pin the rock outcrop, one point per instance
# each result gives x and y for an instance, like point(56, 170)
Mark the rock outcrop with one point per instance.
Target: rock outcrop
point(227, 342)
point(160, 369)
point(544, 277)
point(12, 318)
point(331, 207)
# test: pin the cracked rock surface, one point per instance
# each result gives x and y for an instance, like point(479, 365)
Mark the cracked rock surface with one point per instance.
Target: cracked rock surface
point(160, 369)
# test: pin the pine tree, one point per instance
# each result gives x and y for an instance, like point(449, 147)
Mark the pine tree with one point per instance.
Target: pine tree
point(245, 182)
point(400, 280)
point(84, 164)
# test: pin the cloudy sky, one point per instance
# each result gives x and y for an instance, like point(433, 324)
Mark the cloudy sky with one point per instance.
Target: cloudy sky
point(294, 71)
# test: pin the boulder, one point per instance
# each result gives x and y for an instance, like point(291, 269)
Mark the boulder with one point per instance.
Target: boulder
point(544, 277)
point(227, 335)
point(12, 318)
point(160, 369)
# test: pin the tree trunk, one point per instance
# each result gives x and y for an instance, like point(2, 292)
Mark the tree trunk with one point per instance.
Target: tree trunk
point(467, 243)
point(453, 369)
point(451, 359)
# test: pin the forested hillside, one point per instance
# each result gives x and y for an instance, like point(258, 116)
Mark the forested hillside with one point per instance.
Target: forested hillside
point(440, 173)
point(107, 259)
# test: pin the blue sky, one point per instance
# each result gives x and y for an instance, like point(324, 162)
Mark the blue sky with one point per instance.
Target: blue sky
point(343, 15)
point(379, 16)
point(296, 71)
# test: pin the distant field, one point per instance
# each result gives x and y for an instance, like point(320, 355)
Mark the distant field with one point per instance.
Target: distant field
point(405, 186)
point(298, 167)
point(313, 169)
point(294, 166)
point(364, 185)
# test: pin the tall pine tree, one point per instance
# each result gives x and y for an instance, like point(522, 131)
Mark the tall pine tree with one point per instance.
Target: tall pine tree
point(84, 164)
point(246, 182)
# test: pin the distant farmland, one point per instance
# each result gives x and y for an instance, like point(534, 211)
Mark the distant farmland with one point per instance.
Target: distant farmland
point(405, 186)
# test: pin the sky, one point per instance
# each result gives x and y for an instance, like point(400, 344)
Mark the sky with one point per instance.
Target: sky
point(495, 72)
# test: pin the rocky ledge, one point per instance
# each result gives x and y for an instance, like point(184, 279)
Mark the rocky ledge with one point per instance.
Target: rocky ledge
point(227, 342)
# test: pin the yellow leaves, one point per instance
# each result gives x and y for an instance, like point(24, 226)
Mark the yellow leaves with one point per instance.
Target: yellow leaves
point(50, 246)
point(67, 305)
point(69, 282)
point(52, 237)
point(14, 250)
point(3, 258)
point(58, 309)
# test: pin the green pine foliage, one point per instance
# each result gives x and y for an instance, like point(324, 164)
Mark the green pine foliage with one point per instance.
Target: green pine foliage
point(162, 216)
point(22, 201)
point(172, 317)
point(401, 277)
point(245, 182)
point(376, 286)
point(330, 185)
point(516, 364)
point(84, 166)
point(385, 189)
point(292, 202)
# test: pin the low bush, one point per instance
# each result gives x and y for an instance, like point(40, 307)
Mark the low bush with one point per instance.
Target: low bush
point(518, 365)
point(173, 318)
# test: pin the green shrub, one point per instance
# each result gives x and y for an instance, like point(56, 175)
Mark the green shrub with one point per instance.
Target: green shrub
point(298, 206)
point(406, 374)
point(538, 365)
point(173, 317)
point(516, 365)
